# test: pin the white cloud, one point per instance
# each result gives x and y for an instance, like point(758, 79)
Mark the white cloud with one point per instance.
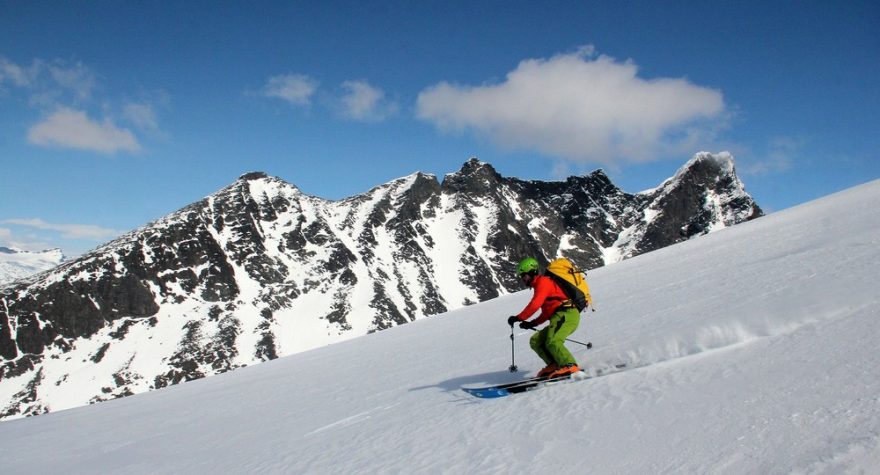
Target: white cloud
point(76, 78)
point(365, 102)
point(69, 231)
point(13, 73)
point(296, 89)
point(50, 82)
point(580, 107)
point(63, 92)
point(68, 128)
point(143, 116)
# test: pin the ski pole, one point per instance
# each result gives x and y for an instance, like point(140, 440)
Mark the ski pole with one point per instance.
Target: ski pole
point(588, 344)
point(513, 367)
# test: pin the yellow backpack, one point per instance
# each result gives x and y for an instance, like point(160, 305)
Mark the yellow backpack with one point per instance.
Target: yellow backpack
point(572, 281)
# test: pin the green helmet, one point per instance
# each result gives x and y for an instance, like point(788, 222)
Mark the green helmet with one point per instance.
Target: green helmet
point(529, 264)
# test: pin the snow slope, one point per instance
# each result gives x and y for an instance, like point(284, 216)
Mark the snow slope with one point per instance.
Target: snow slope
point(16, 263)
point(752, 350)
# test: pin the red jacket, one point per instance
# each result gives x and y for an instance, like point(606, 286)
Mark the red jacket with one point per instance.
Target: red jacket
point(548, 296)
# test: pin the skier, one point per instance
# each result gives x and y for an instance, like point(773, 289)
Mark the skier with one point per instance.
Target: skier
point(555, 306)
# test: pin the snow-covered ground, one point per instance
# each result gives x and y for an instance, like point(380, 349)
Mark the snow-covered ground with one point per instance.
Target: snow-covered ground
point(750, 350)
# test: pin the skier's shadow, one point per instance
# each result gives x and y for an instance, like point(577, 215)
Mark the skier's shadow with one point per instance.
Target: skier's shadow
point(485, 379)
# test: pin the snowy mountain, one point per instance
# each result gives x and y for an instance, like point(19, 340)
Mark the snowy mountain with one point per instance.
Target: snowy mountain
point(16, 263)
point(752, 350)
point(260, 270)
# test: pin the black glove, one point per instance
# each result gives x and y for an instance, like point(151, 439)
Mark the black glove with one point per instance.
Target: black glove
point(512, 320)
point(527, 325)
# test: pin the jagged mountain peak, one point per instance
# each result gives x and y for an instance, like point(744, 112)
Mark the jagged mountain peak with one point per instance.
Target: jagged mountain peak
point(253, 176)
point(598, 181)
point(723, 159)
point(599, 174)
point(703, 169)
point(474, 175)
point(259, 187)
point(705, 165)
point(705, 195)
point(475, 167)
point(262, 177)
point(474, 164)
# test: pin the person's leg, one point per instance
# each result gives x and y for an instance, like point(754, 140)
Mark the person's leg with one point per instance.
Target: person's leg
point(538, 344)
point(562, 324)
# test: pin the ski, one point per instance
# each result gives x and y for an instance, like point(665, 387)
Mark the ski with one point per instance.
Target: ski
point(506, 389)
point(530, 384)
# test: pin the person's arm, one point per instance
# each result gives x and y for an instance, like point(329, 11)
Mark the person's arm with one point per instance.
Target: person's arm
point(541, 293)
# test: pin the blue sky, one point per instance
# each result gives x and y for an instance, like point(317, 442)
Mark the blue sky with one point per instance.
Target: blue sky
point(113, 114)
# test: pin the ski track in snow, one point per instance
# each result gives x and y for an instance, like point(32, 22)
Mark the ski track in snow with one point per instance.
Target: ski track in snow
point(751, 350)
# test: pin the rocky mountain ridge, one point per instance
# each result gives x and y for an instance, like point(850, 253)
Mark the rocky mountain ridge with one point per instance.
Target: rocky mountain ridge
point(260, 270)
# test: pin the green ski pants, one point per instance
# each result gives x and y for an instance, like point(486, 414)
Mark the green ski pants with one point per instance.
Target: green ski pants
point(549, 342)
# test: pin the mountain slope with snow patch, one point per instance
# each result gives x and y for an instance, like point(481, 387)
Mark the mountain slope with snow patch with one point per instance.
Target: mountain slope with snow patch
point(751, 350)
